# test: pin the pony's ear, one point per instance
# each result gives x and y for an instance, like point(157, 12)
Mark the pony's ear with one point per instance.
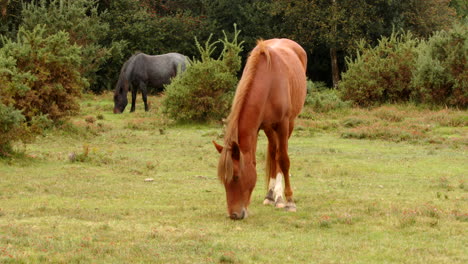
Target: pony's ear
point(218, 147)
point(235, 151)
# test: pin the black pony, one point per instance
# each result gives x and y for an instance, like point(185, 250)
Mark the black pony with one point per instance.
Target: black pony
point(142, 71)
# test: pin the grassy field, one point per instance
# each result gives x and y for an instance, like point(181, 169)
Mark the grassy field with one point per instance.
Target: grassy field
point(386, 185)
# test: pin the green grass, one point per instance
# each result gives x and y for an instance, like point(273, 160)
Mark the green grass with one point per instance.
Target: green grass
point(369, 200)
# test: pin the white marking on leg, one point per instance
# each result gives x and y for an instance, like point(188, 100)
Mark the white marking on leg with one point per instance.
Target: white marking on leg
point(279, 191)
point(270, 197)
point(272, 184)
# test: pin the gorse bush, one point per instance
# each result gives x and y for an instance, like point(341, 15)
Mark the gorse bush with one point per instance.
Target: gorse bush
point(40, 74)
point(11, 122)
point(383, 73)
point(441, 74)
point(40, 82)
point(205, 90)
point(14, 127)
point(85, 27)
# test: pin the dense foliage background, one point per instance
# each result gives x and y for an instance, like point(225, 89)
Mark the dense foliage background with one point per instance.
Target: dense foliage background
point(111, 31)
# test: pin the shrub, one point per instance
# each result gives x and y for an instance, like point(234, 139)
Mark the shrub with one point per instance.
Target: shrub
point(205, 90)
point(441, 74)
point(85, 27)
point(381, 74)
point(10, 126)
point(39, 74)
point(323, 99)
point(39, 82)
point(13, 127)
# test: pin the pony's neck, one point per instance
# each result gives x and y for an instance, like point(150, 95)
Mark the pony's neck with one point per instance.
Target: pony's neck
point(240, 129)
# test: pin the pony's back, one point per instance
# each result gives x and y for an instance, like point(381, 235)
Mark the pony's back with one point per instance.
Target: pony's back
point(291, 53)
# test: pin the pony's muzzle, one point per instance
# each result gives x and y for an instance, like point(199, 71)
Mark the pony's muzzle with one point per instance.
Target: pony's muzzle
point(117, 111)
point(239, 216)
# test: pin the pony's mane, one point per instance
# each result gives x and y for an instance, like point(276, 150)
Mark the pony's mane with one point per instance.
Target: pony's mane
point(122, 78)
point(122, 82)
point(225, 166)
point(243, 89)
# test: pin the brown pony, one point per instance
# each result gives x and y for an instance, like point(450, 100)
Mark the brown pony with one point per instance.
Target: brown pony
point(269, 96)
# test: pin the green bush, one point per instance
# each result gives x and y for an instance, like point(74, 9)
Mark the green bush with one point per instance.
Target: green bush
point(381, 74)
point(13, 127)
point(205, 90)
point(39, 83)
point(441, 74)
point(11, 122)
point(85, 27)
point(323, 99)
point(40, 74)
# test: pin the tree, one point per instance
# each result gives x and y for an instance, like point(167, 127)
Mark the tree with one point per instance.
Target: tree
point(10, 17)
point(254, 17)
point(461, 6)
point(337, 24)
point(421, 17)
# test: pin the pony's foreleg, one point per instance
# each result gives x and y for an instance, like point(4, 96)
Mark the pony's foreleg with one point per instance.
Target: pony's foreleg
point(134, 94)
point(143, 95)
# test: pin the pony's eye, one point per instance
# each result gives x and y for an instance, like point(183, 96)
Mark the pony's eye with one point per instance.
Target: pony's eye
point(235, 178)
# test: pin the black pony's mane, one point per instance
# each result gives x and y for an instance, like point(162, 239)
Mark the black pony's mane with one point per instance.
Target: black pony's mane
point(124, 74)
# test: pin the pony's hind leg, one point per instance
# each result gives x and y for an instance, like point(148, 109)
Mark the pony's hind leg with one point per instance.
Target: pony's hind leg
point(283, 161)
point(143, 95)
point(269, 169)
point(134, 94)
point(274, 176)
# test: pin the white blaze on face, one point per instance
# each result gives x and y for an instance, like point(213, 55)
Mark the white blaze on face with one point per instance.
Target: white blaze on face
point(278, 186)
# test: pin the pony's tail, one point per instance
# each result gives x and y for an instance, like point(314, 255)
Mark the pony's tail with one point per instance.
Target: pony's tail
point(262, 48)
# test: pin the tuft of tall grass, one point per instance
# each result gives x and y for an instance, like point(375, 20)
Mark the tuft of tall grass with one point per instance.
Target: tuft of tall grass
point(390, 113)
point(394, 123)
point(384, 132)
point(447, 118)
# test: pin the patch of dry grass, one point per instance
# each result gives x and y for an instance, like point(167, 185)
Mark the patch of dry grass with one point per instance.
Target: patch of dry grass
point(394, 123)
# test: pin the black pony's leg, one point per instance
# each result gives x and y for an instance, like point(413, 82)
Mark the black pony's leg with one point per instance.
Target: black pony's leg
point(143, 95)
point(134, 94)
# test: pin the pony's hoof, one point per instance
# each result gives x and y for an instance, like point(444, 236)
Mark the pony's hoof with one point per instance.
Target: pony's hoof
point(279, 203)
point(290, 207)
point(268, 201)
